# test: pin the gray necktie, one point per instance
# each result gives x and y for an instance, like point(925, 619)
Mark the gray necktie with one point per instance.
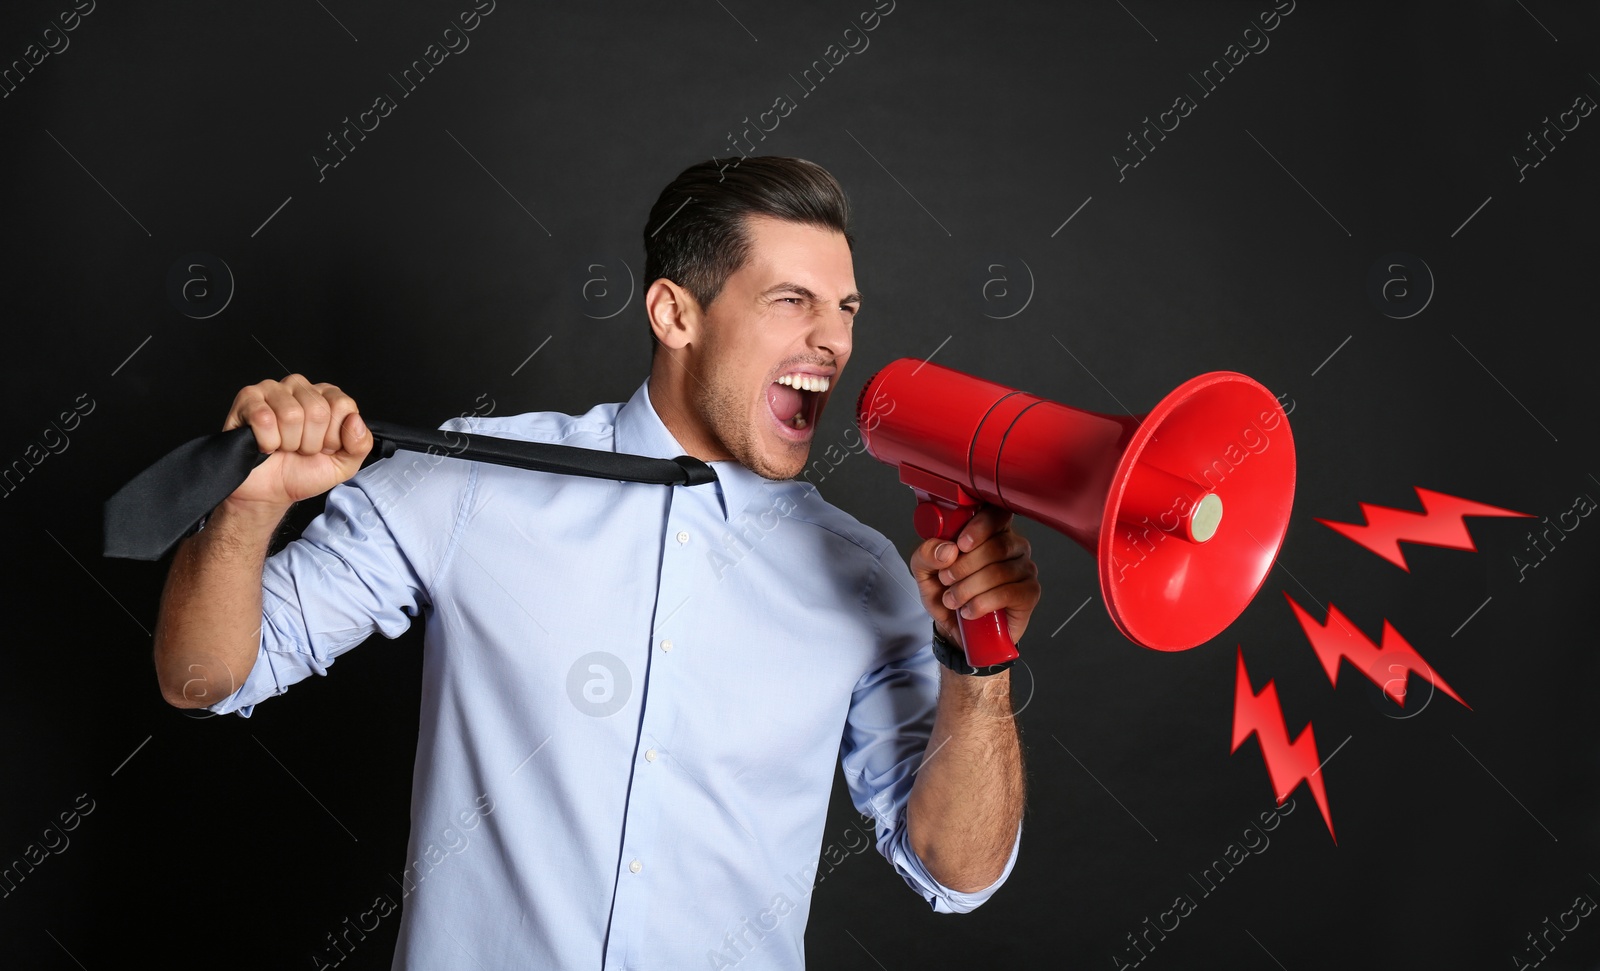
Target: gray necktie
point(162, 504)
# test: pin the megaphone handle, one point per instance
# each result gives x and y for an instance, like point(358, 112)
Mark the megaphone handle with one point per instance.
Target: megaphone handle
point(986, 639)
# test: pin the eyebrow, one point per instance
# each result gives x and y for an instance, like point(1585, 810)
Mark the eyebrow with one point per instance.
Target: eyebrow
point(804, 292)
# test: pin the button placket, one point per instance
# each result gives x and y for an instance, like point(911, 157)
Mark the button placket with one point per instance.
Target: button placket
point(652, 781)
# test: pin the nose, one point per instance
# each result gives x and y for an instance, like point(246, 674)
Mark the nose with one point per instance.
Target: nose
point(831, 333)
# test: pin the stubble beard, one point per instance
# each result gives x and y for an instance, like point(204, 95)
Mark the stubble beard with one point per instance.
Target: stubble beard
point(724, 410)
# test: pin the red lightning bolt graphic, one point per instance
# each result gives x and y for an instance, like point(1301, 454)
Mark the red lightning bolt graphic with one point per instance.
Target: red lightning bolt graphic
point(1439, 524)
point(1287, 762)
point(1339, 638)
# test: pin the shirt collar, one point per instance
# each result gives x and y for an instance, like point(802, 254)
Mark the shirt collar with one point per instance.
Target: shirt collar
point(640, 431)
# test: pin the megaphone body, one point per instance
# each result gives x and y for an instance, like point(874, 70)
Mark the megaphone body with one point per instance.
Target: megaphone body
point(1184, 507)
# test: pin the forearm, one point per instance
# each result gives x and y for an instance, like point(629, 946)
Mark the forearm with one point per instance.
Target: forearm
point(208, 630)
point(967, 800)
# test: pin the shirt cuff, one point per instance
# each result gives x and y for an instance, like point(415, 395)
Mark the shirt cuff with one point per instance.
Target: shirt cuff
point(259, 684)
point(262, 682)
point(944, 899)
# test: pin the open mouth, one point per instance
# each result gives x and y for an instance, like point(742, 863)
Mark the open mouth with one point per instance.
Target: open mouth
point(795, 400)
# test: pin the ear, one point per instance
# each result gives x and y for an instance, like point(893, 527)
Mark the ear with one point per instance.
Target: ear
point(674, 314)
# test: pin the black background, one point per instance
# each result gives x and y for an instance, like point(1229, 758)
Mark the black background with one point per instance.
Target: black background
point(461, 235)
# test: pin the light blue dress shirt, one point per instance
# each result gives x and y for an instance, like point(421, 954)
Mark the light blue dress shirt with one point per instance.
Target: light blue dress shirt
point(633, 696)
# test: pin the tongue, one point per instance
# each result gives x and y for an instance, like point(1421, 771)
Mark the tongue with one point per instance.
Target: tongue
point(784, 401)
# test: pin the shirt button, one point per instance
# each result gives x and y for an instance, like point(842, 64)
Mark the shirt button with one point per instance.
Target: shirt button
point(683, 537)
point(649, 755)
point(635, 866)
point(666, 645)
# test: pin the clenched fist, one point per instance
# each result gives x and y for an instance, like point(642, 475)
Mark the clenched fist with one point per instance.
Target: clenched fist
point(314, 435)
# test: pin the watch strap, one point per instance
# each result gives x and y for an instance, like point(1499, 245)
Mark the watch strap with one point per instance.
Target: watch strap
point(952, 656)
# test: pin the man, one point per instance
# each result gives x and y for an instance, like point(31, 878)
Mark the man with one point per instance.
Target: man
point(633, 694)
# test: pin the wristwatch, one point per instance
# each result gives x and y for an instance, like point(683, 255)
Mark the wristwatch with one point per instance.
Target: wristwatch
point(951, 655)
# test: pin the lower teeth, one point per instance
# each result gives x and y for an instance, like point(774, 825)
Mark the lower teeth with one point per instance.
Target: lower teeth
point(799, 421)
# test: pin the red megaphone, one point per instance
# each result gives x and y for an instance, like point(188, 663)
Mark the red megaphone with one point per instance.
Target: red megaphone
point(1184, 508)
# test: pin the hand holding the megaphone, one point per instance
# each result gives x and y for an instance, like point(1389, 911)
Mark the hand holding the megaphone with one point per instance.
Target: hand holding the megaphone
point(989, 567)
point(314, 435)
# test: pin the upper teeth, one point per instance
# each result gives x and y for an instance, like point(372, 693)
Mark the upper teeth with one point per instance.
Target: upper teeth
point(805, 382)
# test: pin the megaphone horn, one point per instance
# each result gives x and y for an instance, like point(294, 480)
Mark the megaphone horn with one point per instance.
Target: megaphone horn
point(1184, 507)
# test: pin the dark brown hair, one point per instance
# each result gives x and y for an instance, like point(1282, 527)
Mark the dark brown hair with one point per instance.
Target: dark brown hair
point(696, 234)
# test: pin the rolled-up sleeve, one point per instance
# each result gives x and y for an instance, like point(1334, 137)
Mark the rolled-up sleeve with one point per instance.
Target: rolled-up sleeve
point(888, 726)
point(361, 566)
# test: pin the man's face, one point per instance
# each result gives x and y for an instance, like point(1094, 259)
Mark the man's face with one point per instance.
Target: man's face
point(780, 325)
